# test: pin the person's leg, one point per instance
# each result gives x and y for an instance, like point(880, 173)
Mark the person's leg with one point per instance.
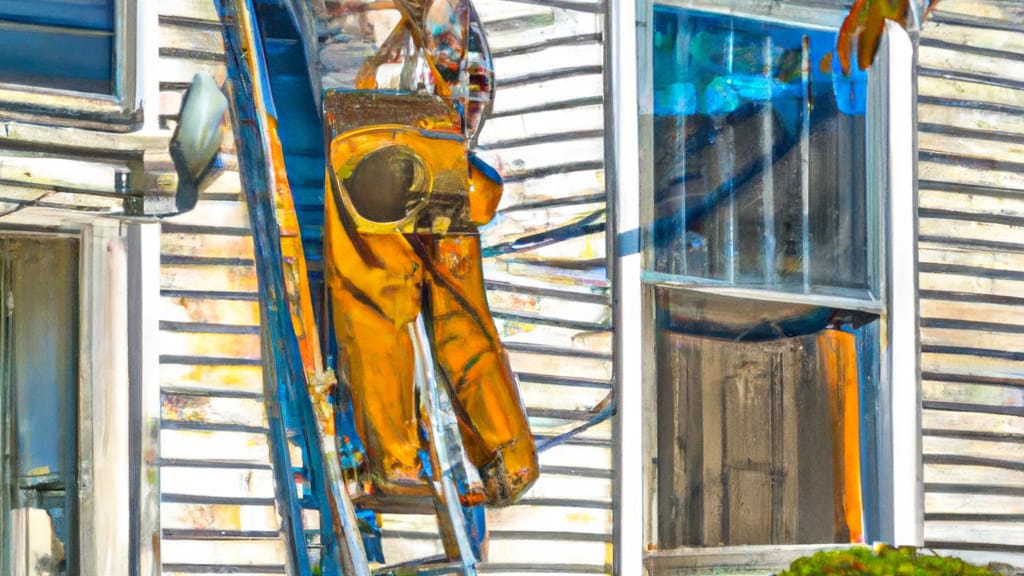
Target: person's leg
point(495, 429)
point(373, 305)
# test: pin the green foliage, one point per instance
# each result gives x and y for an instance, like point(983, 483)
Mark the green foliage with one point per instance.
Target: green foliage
point(882, 561)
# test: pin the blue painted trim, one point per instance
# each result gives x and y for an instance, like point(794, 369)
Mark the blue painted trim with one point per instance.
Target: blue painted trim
point(284, 375)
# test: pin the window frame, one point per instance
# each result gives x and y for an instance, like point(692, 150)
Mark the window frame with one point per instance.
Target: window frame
point(120, 111)
point(118, 395)
point(892, 173)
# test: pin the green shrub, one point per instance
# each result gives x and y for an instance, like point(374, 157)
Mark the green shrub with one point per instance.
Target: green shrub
point(882, 561)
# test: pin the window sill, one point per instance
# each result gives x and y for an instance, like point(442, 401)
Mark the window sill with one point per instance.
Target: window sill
point(730, 560)
point(67, 109)
point(854, 300)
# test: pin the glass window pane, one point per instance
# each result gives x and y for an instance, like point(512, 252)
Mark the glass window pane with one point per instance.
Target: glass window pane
point(83, 14)
point(759, 158)
point(39, 405)
point(57, 60)
point(762, 435)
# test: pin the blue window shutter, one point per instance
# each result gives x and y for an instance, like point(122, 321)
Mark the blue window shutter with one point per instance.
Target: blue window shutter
point(62, 44)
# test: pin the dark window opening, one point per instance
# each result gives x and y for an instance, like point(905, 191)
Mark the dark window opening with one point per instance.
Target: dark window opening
point(39, 405)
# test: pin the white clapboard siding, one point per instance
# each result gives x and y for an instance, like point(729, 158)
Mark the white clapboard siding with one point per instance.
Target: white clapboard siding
point(218, 511)
point(971, 252)
point(552, 308)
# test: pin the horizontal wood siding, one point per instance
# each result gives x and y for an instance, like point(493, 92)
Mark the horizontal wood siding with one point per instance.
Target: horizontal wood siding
point(218, 512)
point(546, 286)
point(971, 250)
point(550, 302)
point(546, 276)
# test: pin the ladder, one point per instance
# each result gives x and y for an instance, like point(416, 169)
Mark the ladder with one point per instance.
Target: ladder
point(300, 388)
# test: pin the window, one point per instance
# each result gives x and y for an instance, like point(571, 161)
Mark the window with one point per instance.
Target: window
point(69, 382)
point(61, 44)
point(766, 270)
point(759, 165)
point(39, 405)
point(69, 62)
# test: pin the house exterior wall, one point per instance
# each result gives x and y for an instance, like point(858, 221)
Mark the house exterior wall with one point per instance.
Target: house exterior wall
point(970, 179)
point(217, 506)
point(550, 301)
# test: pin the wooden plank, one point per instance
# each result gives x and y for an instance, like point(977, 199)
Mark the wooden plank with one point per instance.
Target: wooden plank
point(205, 410)
point(508, 99)
point(982, 312)
point(712, 364)
point(217, 517)
point(549, 307)
point(561, 487)
point(57, 172)
point(512, 225)
point(537, 124)
point(973, 475)
point(970, 393)
point(971, 148)
point(223, 482)
point(985, 339)
point(209, 311)
point(1006, 234)
point(577, 456)
point(551, 519)
point(970, 119)
point(208, 445)
point(494, 11)
point(206, 245)
point(992, 10)
point(793, 414)
point(993, 39)
point(180, 71)
point(549, 551)
point(562, 23)
point(398, 550)
point(229, 214)
point(975, 448)
point(970, 92)
point(201, 39)
point(215, 345)
point(564, 186)
point(973, 203)
point(975, 532)
point(525, 334)
point(555, 397)
point(194, 9)
point(554, 57)
point(992, 67)
point(230, 378)
point(525, 159)
point(219, 278)
point(225, 182)
point(32, 194)
point(747, 451)
point(945, 503)
point(934, 253)
point(974, 422)
point(679, 441)
point(554, 365)
point(232, 552)
point(816, 473)
point(977, 367)
point(577, 248)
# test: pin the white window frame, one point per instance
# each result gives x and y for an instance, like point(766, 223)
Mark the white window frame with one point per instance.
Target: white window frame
point(892, 164)
point(117, 112)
